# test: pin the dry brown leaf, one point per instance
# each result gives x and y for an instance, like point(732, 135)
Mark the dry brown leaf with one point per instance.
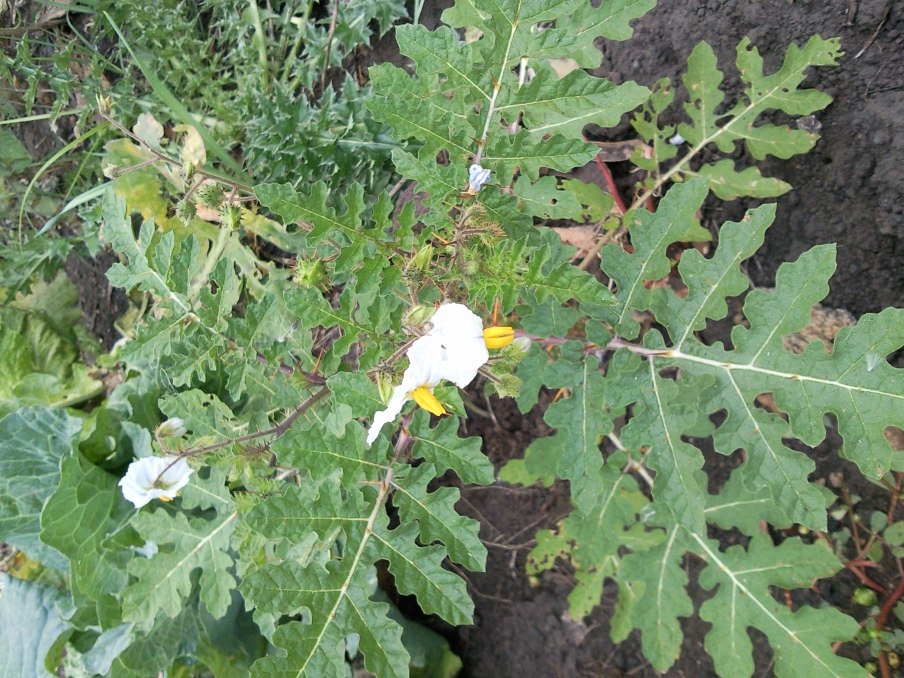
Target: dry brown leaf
point(582, 237)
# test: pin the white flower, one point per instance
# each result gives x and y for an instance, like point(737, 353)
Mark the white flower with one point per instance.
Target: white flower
point(154, 478)
point(454, 349)
point(478, 177)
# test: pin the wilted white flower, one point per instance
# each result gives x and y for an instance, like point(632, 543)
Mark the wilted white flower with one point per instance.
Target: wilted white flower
point(154, 478)
point(478, 177)
point(454, 349)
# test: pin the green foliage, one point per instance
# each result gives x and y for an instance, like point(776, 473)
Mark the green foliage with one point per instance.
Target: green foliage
point(30, 626)
point(712, 121)
point(268, 336)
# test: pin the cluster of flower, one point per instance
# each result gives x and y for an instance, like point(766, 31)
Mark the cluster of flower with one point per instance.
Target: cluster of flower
point(454, 349)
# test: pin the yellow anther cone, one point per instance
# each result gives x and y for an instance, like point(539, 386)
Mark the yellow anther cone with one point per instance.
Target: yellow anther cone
point(425, 398)
point(497, 337)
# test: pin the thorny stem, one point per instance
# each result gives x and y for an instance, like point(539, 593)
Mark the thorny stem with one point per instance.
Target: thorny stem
point(613, 344)
point(497, 85)
point(276, 431)
point(334, 19)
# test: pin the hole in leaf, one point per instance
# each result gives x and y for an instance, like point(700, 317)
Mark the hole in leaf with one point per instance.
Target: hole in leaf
point(895, 438)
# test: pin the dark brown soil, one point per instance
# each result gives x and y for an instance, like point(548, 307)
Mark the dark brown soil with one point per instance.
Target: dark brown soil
point(846, 190)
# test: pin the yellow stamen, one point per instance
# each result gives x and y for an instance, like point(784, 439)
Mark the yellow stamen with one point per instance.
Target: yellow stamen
point(497, 337)
point(425, 398)
point(165, 498)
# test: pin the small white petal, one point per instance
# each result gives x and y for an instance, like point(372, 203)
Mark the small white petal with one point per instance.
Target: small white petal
point(172, 428)
point(149, 550)
point(478, 177)
point(677, 140)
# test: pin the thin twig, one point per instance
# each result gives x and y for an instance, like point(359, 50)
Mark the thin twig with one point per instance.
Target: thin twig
point(875, 34)
point(329, 44)
point(276, 431)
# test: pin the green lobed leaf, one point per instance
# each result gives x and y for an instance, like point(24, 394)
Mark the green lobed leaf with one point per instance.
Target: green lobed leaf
point(444, 449)
point(651, 234)
point(657, 580)
point(742, 579)
point(163, 582)
point(714, 122)
point(436, 516)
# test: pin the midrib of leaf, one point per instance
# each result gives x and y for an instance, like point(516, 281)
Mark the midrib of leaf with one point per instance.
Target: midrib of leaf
point(730, 504)
point(744, 367)
point(609, 497)
point(668, 433)
point(738, 585)
point(661, 606)
point(385, 486)
point(428, 132)
point(497, 85)
point(201, 544)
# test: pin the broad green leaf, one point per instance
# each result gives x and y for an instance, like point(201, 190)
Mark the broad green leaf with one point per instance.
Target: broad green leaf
point(86, 507)
point(669, 411)
point(33, 443)
point(30, 626)
point(568, 105)
point(657, 579)
point(337, 597)
point(712, 122)
point(591, 542)
point(581, 421)
point(745, 508)
point(436, 515)
point(144, 269)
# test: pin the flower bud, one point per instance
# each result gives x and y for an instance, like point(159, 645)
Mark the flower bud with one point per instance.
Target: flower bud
point(523, 344)
point(309, 272)
point(172, 428)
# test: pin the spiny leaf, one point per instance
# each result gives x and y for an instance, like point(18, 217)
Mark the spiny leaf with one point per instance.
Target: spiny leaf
point(442, 448)
point(186, 543)
point(743, 578)
point(651, 234)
